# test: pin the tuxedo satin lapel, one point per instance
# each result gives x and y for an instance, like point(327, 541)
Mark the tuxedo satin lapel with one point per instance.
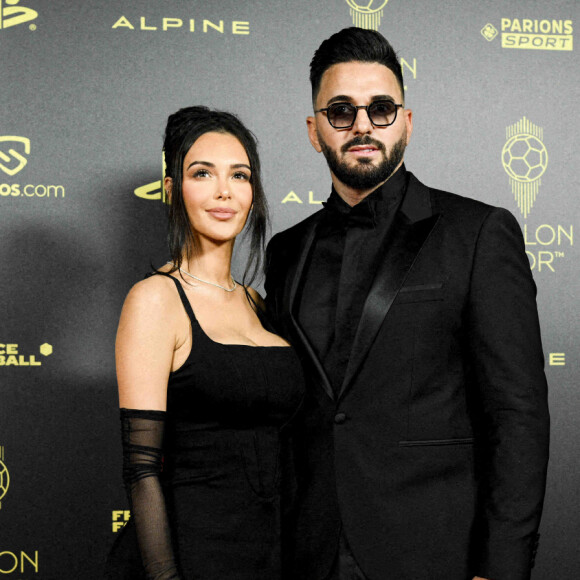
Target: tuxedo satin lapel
point(401, 245)
point(296, 278)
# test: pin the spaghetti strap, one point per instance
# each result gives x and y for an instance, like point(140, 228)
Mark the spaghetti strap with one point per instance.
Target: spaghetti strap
point(184, 300)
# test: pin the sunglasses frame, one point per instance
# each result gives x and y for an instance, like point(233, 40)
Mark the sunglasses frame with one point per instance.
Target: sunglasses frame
point(356, 109)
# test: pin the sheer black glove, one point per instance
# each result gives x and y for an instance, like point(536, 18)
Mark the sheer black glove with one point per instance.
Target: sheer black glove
point(142, 433)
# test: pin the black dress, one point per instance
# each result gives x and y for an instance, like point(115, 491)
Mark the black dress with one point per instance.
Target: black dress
point(227, 425)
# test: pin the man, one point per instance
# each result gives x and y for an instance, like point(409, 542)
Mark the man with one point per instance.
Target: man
point(423, 448)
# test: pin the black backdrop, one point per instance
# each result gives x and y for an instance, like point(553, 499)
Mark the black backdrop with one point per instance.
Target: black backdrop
point(86, 88)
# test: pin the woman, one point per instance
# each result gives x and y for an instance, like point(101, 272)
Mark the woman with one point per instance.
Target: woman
point(206, 391)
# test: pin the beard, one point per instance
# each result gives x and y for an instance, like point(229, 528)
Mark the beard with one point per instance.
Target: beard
point(364, 175)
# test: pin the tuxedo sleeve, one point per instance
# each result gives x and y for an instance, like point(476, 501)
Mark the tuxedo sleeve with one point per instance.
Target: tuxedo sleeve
point(507, 362)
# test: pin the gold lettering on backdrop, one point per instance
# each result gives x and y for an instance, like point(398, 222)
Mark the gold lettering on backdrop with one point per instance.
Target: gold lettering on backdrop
point(123, 22)
point(120, 518)
point(537, 42)
point(238, 27)
point(546, 234)
point(3, 562)
point(219, 27)
point(557, 359)
point(172, 23)
point(537, 34)
point(292, 197)
point(537, 26)
point(406, 65)
point(14, 560)
point(541, 260)
point(9, 355)
point(8, 348)
point(18, 361)
point(15, 190)
point(34, 563)
point(144, 25)
point(311, 199)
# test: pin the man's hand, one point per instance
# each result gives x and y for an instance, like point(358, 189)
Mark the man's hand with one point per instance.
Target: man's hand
point(479, 578)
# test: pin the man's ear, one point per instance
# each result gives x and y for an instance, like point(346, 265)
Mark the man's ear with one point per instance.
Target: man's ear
point(313, 133)
point(408, 122)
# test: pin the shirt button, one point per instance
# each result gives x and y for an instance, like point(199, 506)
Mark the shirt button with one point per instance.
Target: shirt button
point(340, 418)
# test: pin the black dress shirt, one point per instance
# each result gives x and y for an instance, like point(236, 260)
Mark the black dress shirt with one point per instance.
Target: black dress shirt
point(340, 270)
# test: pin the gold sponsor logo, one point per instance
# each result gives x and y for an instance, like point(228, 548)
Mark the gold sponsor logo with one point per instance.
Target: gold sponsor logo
point(4, 477)
point(489, 32)
point(533, 34)
point(120, 518)
point(11, 160)
point(155, 190)
point(11, 357)
point(152, 191)
point(525, 160)
point(32, 190)
point(367, 14)
point(14, 152)
point(237, 27)
point(11, 14)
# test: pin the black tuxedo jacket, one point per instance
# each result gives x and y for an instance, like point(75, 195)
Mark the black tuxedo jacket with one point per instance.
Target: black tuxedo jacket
point(433, 455)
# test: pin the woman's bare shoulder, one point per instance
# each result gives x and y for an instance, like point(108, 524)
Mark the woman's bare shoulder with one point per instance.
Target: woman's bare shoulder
point(155, 292)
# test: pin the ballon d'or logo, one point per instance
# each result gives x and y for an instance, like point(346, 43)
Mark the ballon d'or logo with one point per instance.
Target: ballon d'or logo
point(4, 476)
point(367, 15)
point(525, 159)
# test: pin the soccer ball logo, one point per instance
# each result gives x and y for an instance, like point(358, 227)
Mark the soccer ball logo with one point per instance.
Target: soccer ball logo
point(524, 158)
point(368, 8)
point(367, 15)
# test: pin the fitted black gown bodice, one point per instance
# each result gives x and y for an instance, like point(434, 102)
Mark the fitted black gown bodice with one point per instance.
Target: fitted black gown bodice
point(229, 412)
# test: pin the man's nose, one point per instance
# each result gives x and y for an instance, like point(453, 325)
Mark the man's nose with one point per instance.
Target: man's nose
point(362, 124)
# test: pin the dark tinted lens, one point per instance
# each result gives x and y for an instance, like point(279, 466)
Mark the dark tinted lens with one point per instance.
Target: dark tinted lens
point(341, 114)
point(382, 112)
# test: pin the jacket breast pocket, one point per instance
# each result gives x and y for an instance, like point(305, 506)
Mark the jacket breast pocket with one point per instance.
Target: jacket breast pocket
point(420, 293)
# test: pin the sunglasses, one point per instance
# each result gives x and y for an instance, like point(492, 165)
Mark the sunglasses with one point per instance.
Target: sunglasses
point(343, 115)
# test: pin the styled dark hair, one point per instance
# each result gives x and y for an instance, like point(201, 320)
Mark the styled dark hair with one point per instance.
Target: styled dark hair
point(350, 45)
point(183, 129)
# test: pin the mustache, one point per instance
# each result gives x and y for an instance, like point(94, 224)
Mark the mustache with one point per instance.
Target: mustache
point(366, 140)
